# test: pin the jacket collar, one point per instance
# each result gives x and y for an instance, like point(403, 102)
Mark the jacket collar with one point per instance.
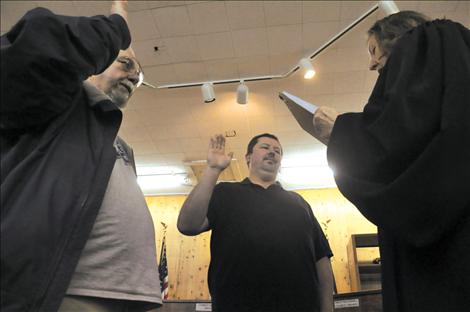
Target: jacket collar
point(98, 98)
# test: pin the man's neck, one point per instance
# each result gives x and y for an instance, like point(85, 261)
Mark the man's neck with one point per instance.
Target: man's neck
point(265, 183)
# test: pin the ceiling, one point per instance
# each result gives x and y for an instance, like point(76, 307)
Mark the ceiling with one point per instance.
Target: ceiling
point(200, 41)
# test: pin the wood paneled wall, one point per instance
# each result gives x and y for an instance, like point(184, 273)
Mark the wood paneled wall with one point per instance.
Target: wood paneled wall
point(188, 257)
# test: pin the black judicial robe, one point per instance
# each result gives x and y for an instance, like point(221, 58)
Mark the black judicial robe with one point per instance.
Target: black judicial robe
point(405, 163)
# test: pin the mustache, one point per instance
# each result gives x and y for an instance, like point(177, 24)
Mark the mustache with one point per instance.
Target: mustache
point(127, 84)
point(270, 157)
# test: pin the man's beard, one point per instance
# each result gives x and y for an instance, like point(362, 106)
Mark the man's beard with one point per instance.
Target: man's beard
point(118, 94)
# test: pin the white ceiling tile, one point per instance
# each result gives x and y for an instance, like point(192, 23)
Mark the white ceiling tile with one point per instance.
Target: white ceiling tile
point(59, 7)
point(253, 66)
point(176, 131)
point(286, 123)
point(12, 11)
point(215, 46)
point(322, 83)
point(173, 21)
point(192, 144)
point(245, 14)
point(134, 134)
point(144, 147)
point(320, 11)
point(356, 37)
point(285, 39)
point(370, 80)
point(147, 55)
point(250, 42)
point(282, 63)
point(428, 7)
point(168, 146)
point(222, 69)
point(151, 4)
point(130, 118)
point(160, 74)
point(350, 102)
point(137, 5)
point(92, 8)
point(157, 133)
point(190, 72)
point(195, 2)
point(208, 17)
point(261, 124)
point(195, 155)
point(323, 99)
point(142, 26)
point(349, 82)
point(352, 59)
point(182, 49)
point(283, 12)
point(408, 5)
point(314, 35)
point(296, 138)
point(280, 109)
point(352, 10)
point(326, 61)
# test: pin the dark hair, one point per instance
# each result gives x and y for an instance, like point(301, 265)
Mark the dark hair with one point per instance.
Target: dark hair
point(389, 29)
point(254, 140)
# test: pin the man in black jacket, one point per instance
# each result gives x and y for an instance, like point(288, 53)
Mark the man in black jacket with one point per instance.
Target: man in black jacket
point(405, 161)
point(70, 204)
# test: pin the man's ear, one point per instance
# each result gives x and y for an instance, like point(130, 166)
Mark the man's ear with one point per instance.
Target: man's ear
point(247, 159)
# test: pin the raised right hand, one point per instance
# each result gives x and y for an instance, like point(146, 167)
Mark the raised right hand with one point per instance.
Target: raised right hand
point(120, 7)
point(216, 157)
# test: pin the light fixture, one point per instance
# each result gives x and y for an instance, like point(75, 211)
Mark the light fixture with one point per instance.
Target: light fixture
point(208, 93)
point(161, 177)
point(307, 68)
point(389, 7)
point(242, 93)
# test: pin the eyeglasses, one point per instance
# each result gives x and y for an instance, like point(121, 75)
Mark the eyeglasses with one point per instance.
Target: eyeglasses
point(131, 65)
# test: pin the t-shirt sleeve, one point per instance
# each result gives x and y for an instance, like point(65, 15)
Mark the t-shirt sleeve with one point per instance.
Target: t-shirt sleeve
point(322, 247)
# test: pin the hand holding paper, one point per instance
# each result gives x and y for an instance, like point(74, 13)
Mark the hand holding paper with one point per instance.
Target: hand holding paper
point(317, 121)
point(323, 122)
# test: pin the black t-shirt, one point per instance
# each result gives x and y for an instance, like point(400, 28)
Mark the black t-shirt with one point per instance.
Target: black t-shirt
point(264, 246)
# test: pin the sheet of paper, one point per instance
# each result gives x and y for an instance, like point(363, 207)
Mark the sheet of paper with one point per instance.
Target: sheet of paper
point(302, 103)
point(301, 110)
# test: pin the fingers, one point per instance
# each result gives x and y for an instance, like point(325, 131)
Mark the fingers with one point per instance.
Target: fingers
point(217, 142)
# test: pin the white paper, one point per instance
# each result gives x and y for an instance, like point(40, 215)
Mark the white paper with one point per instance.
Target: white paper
point(302, 103)
point(346, 303)
point(203, 306)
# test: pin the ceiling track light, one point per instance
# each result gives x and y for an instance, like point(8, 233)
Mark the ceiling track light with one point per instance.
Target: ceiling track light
point(242, 93)
point(389, 7)
point(307, 68)
point(208, 93)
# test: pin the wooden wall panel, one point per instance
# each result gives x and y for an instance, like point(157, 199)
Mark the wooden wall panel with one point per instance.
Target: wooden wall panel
point(188, 257)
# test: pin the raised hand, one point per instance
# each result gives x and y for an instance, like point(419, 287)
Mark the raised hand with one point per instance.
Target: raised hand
point(216, 156)
point(120, 7)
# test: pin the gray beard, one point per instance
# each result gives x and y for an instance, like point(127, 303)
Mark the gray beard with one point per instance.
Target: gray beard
point(118, 95)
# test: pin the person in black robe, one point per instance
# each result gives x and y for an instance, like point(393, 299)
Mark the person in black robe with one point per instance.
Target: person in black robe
point(404, 162)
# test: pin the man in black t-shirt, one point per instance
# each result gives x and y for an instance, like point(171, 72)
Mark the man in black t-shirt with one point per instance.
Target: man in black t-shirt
point(268, 252)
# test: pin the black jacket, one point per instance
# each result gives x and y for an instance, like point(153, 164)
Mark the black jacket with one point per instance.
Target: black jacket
point(405, 163)
point(56, 150)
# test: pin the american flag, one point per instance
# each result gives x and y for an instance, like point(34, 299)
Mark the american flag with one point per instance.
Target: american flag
point(163, 270)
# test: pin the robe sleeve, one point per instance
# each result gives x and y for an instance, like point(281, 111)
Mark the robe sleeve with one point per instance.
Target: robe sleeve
point(405, 160)
point(45, 58)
